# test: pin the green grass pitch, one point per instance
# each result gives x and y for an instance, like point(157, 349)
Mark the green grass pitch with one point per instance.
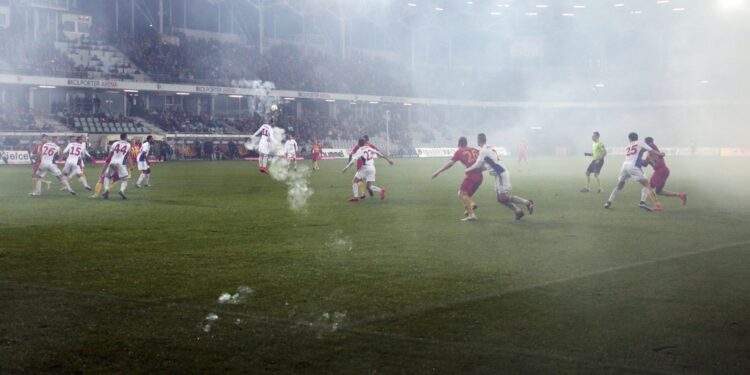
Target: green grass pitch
point(394, 286)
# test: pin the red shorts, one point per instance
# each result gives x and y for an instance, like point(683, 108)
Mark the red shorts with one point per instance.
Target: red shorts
point(659, 178)
point(316, 156)
point(471, 183)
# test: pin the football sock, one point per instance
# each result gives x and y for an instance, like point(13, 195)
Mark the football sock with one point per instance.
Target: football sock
point(38, 187)
point(598, 182)
point(375, 189)
point(612, 196)
point(141, 178)
point(84, 182)
point(123, 186)
point(98, 188)
point(645, 193)
point(511, 205)
point(468, 203)
point(355, 189)
point(361, 188)
point(517, 199)
point(65, 183)
point(148, 178)
point(106, 183)
point(588, 181)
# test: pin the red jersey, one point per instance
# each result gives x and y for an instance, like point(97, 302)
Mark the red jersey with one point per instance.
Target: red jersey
point(37, 152)
point(657, 162)
point(316, 148)
point(467, 156)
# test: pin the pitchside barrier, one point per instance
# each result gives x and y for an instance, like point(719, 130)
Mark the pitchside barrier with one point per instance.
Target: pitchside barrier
point(446, 152)
point(15, 157)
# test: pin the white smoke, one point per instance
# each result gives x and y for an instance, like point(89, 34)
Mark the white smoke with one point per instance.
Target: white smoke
point(263, 101)
point(236, 298)
point(297, 178)
point(339, 242)
point(210, 319)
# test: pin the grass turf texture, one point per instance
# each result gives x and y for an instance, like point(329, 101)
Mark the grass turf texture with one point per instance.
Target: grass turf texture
point(124, 286)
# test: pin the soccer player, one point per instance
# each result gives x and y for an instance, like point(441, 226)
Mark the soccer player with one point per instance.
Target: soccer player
point(49, 150)
point(264, 145)
point(290, 151)
point(359, 163)
point(37, 153)
point(143, 165)
point(317, 153)
point(523, 154)
point(631, 168)
point(365, 170)
point(661, 173)
point(598, 152)
point(488, 159)
point(466, 155)
point(74, 152)
point(118, 154)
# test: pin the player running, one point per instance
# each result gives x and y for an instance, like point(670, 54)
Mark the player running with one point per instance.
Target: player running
point(472, 180)
point(661, 173)
point(49, 150)
point(317, 153)
point(359, 163)
point(74, 153)
point(488, 159)
point(365, 170)
point(290, 151)
point(36, 152)
point(598, 152)
point(118, 154)
point(143, 165)
point(264, 145)
point(632, 168)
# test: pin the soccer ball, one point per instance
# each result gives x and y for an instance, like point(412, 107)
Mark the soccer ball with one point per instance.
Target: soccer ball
point(274, 108)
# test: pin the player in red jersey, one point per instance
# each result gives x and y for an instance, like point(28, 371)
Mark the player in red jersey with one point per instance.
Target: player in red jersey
point(36, 152)
point(523, 153)
point(317, 154)
point(661, 173)
point(472, 180)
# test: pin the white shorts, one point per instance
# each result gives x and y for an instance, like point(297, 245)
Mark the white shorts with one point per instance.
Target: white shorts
point(264, 148)
point(291, 157)
point(48, 167)
point(629, 170)
point(120, 169)
point(366, 173)
point(71, 169)
point(143, 165)
point(502, 183)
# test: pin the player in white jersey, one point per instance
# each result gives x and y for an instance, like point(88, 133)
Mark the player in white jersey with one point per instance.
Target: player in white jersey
point(365, 169)
point(290, 151)
point(74, 153)
point(264, 144)
point(489, 160)
point(48, 152)
point(118, 155)
point(143, 165)
point(631, 168)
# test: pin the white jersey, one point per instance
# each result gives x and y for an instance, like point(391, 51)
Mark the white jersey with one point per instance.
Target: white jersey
point(487, 160)
point(120, 150)
point(265, 132)
point(290, 147)
point(49, 150)
point(634, 153)
point(366, 154)
point(145, 148)
point(75, 152)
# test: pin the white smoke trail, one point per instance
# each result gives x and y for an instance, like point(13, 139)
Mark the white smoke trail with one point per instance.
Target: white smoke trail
point(210, 319)
point(236, 298)
point(296, 178)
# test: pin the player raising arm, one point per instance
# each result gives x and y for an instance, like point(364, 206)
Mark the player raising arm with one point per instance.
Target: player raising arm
point(47, 164)
point(118, 153)
point(365, 170)
point(632, 168)
point(265, 132)
point(489, 160)
point(472, 180)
